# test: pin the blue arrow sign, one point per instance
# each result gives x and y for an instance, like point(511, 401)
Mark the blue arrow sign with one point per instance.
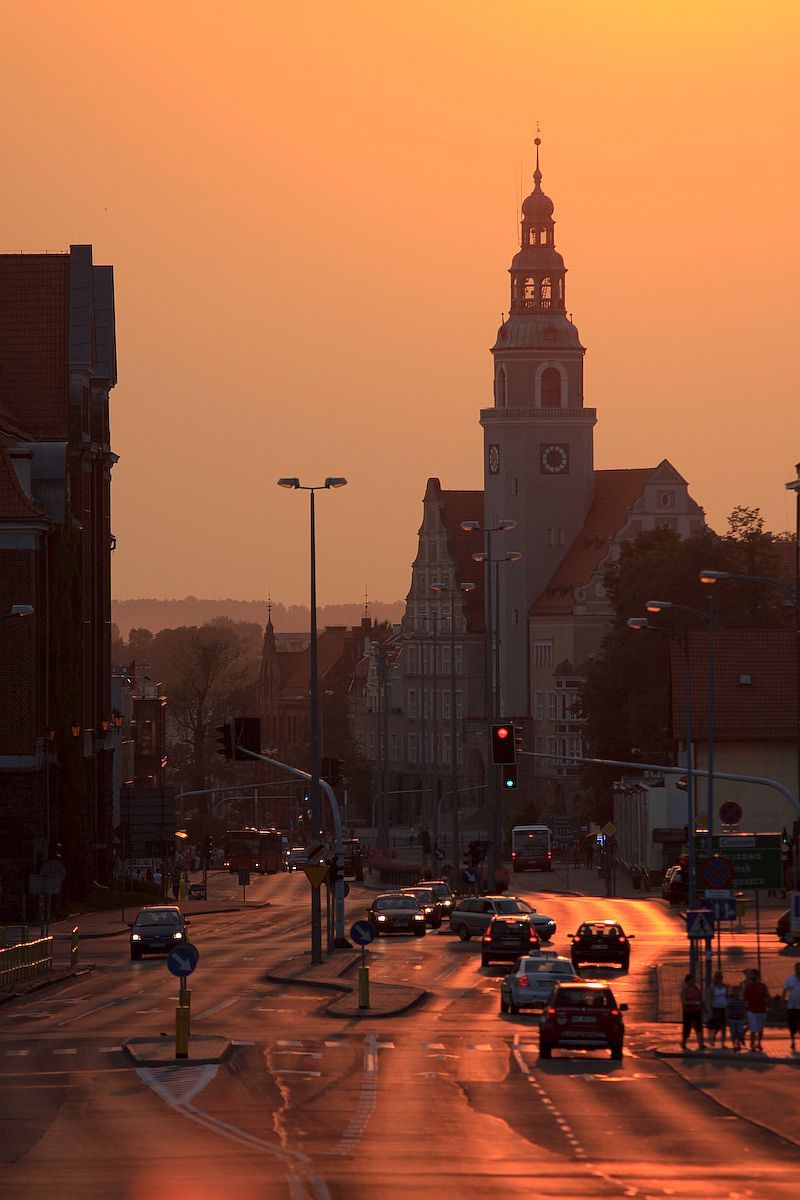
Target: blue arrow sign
point(723, 909)
point(183, 959)
point(439, 853)
point(362, 933)
point(699, 923)
point(470, 874)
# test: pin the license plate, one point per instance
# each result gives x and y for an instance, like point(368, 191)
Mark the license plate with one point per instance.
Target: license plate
point(598, 946)
point(585, 1020)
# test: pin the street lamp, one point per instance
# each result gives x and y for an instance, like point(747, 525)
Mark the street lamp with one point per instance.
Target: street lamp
point(332, 481)
point(654, 606)
point(504, 525)
point(465, 588)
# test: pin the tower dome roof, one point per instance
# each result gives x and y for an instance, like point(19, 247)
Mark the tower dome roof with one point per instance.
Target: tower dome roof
point(537, 206)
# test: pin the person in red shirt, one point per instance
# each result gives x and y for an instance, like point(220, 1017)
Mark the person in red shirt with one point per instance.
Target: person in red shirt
point(755, 1004)
point(692, 1012)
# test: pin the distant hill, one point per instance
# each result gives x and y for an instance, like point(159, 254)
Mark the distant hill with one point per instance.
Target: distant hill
point(169, 614)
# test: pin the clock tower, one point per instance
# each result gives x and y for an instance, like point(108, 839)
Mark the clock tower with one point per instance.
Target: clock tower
point(538, 453)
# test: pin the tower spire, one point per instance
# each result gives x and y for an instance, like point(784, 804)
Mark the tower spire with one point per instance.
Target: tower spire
point(537, 174)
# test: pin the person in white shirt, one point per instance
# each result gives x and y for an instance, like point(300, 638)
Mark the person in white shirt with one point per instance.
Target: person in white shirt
point(791, 994)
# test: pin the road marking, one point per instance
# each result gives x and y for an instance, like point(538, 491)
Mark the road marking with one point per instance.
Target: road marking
point(285, 1043)
point(72, 1051)
point(217, 1008)
point(523, 1066)
point(80, 1016)
point(301, 1053)
point(16, 1053)
point(481, 1046)
point(432, 1046)
point(305, 1074)
point(333, 1045)
point(108, 1049)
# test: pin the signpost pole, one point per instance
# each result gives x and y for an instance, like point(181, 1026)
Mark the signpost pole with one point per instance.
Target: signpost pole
point(758, 930)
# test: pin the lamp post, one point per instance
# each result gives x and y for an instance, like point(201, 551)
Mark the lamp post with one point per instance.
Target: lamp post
point(485, 556)
point(654, 606)
point(332, 481)
point(465, 588)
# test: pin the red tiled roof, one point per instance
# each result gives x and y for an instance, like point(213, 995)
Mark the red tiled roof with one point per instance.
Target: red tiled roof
point(762, 710)
point(332, 646)
point(458, 506)
point(615, 492)
point(14, 504)
point(34, 341)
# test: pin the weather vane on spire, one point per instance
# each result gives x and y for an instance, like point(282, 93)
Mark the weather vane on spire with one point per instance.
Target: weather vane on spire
point(537, 141)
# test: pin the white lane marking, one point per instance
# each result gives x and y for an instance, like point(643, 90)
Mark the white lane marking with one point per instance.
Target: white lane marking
point(16, 1053)
point(301, 1053)
point(80, 1016)
point(217, 1008)
point(234, 1042)
point(334, 1045)
point(481, 1046)
point(72, 1051)
point(145, 1012)
point(432, 1046)
point(285, 1043)
point(108, 1049)
point(523, 1066)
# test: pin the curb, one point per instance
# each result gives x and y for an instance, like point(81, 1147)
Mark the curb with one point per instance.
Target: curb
point(48, 981)
point(746, 1057)
point(167, 1058)
point(348, 990)
point(194, 912)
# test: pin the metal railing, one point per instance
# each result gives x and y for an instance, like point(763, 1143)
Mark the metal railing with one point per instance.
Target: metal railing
point(25, 960)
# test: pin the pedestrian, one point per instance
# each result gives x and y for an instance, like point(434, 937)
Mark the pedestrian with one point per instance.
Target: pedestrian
point(716, 1008)
point(791, 994)
point(755, 1004)
point(181, 889)
point(692, 1012)
point(175, 883)
point(736, 1017)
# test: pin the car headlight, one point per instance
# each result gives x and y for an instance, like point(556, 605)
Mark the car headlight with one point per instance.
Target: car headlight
point(419, 917)
point(177, 935)
point(136, 937)
point(381, 917)
point(447, 903)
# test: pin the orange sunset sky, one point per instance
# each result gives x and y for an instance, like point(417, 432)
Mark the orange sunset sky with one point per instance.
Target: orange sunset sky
point(311, 209)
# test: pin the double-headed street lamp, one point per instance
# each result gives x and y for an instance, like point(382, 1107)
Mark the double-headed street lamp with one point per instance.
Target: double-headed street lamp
point(707, 619)
point(492, 673)
point(444, 586)
point(332, 481)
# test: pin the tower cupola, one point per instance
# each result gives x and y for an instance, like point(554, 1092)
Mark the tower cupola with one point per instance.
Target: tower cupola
point(538, 271)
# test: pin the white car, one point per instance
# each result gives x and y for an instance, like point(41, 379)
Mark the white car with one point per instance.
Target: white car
point(531, 980)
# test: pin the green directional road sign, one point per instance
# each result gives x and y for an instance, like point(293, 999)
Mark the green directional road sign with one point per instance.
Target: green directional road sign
point(756, 858)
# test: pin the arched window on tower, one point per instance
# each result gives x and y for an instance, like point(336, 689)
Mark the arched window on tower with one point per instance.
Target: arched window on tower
point(547, 292)
point(561, 291)
point(529, 293)
point(500, 398)
point(551, 388)
point(543, 237)
point(531, 237)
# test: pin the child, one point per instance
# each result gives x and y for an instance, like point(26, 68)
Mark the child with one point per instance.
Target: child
point(736, 1017)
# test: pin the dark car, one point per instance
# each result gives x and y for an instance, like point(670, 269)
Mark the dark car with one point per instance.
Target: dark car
point(508, 938)
point(601, 942)
point(783, 930)
point(441, 890)
point(674, 887)
point(583, 1015)
point(157, 928)
point(428, 903)
point(394, 912)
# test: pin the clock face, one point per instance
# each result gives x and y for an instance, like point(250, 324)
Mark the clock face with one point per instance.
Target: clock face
point(554, 458)
point(494, 460)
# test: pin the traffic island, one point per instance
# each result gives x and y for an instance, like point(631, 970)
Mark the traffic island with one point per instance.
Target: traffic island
point(385, 999)
point(160, 1051)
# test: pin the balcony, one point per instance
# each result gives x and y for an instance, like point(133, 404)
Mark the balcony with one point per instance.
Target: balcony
point(569, 416)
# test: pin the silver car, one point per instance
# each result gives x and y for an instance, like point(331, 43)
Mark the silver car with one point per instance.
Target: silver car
point(532, 979)
point(473, 915)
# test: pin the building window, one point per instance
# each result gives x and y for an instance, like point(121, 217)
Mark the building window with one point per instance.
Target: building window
point(551, 706)
point(459, 706)
point(515, 616)
point(458, 664)
point(529, 293)
point(552, 745)
point(360, 742)
point(574, 747)
point(412, 703)
point(555, 536)
point(446, 744)
point(460, 752)
point(551, 388)
point(445, 660)
point(412, 747)
point(411, 660)
point(539, 744)
point(393, 747)
point(543, 654)
point(446, 705)
point(538, 706)
point(423, 703)
point(500, 399)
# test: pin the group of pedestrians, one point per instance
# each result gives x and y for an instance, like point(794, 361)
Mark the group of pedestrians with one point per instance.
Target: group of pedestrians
point(737, 1011)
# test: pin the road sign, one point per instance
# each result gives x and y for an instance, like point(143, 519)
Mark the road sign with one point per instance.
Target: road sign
point(53, 869)
point(723, 908)
point(730, 813)
point(183, 959)
point(362, 933)
point(756, 858)
point(609, 830)
point(315, 873)
point(439, 852)
point(699, 923)
point(716, 872)
point(470, 874)
point(244, 877)
point(314, 848)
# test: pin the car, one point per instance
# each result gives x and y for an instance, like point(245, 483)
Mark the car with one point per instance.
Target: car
point(506, 938)
point(156, 929)
point(441, 890)
point(297, 859)
point(783, 930)
point(197, 891)
point(601, 942)
point(583, 1015)
point(427, 902)
point(472, 915)
point(394, 912)
point(531, 980)
point(674, 887)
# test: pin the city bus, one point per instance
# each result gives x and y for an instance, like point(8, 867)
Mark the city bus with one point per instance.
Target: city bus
point(253, 850)
point(531, 848)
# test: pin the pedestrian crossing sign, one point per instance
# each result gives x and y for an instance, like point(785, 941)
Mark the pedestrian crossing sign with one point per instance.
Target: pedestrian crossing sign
point(699, 923)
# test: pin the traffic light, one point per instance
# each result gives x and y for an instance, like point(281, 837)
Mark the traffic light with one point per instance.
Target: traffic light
point(330, 769)
point(504, 749)
point(509, 774)
point(247, 736)
point(225, 741)
point(476, 852)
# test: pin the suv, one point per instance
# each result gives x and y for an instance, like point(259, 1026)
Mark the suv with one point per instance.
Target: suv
point(673, 887)
point(473, 915)
point(584, 1015)
point(506, 939)
point(601, 942)
point(441, 890)
point(157, 928)
point(428, 902)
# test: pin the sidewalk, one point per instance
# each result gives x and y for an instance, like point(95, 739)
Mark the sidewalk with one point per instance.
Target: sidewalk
point(385, 999)
point(777, 1049)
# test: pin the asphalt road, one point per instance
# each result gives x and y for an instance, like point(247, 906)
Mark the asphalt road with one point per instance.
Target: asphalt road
point(448, 1098)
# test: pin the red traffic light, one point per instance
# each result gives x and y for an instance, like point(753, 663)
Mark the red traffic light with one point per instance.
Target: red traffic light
point(503, 731)
point(503, 747)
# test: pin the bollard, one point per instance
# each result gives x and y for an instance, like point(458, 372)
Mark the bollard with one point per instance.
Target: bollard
point(73, 948)
point(187, 1004)
point(363, 987)
point(181, 1032)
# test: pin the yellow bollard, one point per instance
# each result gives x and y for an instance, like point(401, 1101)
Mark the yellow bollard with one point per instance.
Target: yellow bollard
point(363, 987)
point(187, 1004)
point(181, 1032)
point(73, 948)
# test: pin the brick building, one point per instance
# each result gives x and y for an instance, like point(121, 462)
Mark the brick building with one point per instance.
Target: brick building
point(57, 368)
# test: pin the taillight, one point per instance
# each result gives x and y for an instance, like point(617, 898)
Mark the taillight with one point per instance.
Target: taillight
point(513, 854)
point(522, 981)
point(534, 937)
point(551, 1012)
point(549, 853)
point(615, 1012)
point(487, 937)
point(622, 938)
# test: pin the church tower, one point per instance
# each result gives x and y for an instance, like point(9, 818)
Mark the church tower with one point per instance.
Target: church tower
point(538, 439)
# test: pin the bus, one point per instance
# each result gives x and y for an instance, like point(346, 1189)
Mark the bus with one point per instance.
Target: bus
point(253, 850)
point(531, 848)
point(353, 859)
